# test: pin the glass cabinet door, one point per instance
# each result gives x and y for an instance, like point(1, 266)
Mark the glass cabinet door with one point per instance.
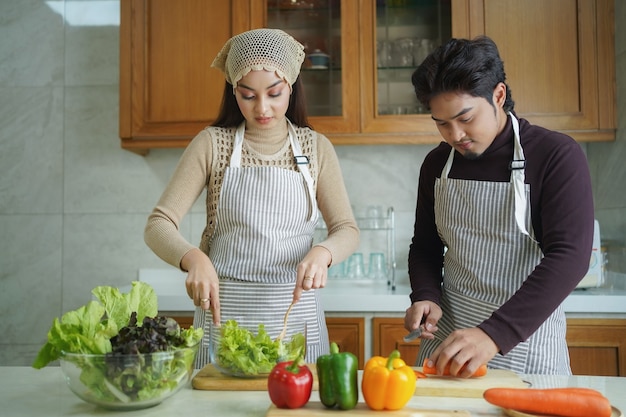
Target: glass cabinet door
point(327, 29)
point(317, 25)
point(406, 32)
point(396, 36)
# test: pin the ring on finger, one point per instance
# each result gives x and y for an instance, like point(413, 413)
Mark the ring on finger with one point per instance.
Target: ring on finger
point(205, 300)
point(308, 278)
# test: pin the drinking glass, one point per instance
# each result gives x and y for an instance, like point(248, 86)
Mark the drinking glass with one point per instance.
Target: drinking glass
point(337, 270)
point(374, 216)
point(356, 266)
point(377, 266)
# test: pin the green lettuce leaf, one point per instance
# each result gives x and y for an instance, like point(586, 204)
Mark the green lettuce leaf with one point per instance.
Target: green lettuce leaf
point(89, 328)
point(119, 306)
point(244, 353)
point(116, 376)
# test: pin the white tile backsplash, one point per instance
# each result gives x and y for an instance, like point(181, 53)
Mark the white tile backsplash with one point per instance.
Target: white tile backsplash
point(31, 156)
point(31, 275)
point(32, 44)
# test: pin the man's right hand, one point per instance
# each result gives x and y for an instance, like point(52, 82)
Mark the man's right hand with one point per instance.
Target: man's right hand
point(425, 314)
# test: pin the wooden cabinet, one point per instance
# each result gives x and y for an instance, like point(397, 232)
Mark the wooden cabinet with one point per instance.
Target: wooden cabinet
point(559, 56)
point(333, 97)
point(388, 333)
point(168, 91)
point(184, 321)
point(559, 60)
point(349, 334)
point(597, 346)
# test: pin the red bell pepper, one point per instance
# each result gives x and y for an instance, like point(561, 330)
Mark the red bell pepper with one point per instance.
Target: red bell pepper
point(290, 384)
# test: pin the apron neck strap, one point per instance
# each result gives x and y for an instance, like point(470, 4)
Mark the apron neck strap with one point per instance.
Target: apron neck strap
point(517, 167)
point(301, 161)
point(518, 170)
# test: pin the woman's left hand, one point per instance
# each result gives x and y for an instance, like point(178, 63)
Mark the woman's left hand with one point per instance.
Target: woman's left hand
point(312, 272)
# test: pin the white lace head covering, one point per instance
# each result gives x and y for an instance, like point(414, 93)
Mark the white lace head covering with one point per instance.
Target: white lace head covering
point(260, 49)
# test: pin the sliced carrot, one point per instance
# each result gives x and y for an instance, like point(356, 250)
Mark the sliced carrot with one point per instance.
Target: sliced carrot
point(481, 371)
point(419, 374)
point(564, 402)
point(431, 370)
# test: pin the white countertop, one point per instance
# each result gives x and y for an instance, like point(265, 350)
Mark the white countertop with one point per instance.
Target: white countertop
point(345, 295)
point(25, 391)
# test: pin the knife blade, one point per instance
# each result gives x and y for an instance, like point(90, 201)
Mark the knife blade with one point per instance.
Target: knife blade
point(413, 335)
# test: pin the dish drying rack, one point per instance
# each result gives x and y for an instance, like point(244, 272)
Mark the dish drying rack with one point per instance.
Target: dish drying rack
point(377, 235)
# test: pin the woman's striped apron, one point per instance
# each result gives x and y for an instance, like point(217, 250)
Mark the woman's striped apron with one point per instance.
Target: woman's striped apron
point(490, 252)
point(265, 223)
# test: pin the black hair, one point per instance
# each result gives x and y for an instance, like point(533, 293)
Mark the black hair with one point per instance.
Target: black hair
point(230, 115)
point(462, 65)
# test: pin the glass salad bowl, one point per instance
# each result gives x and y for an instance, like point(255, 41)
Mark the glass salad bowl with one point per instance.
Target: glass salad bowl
point(128, 381)
point(247, 347)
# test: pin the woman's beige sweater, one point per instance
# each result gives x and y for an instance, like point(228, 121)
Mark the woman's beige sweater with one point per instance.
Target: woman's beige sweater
point(202, 166)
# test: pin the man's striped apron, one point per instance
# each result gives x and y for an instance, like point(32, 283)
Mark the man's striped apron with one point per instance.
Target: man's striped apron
point(490, 252)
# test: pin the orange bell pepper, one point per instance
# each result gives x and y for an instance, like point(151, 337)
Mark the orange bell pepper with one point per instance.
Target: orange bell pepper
point(388, 383)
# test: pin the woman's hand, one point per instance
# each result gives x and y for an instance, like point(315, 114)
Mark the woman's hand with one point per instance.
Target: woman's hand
point(202, 282)
point(312, 272)
point(423, 311)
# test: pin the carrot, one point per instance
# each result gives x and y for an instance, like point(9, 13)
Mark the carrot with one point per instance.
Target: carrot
point(564, 402)
point(431, 370)
point(419, 374)
point(579, 390)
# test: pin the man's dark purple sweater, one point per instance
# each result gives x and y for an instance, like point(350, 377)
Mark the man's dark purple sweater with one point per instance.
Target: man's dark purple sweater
point(562, 218)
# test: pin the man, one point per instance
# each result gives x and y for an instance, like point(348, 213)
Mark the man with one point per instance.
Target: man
point(504, 223)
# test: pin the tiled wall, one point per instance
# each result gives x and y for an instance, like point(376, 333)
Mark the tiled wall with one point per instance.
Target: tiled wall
point(606, 162)
point(73, 205)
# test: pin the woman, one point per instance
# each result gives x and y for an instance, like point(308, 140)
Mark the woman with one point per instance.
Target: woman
point(267, 175)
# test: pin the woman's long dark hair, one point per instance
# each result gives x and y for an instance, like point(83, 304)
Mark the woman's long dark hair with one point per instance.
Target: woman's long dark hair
point(230, 115)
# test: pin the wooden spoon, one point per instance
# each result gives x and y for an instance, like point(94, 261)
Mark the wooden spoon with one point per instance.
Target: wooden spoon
point(283, 333)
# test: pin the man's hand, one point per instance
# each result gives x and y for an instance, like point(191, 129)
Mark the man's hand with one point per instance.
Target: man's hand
point(471, 347)
point(423, 311)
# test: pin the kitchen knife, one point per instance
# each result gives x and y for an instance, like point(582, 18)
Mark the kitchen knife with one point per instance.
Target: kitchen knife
point(413, 335)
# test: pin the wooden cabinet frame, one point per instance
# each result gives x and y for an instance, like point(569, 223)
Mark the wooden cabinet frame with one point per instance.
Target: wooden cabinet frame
point(388, 334)
point(574, 92)
point(348, 121)
point(349, 334)
point(597, 346)
point(156, 71)
point(572, 88)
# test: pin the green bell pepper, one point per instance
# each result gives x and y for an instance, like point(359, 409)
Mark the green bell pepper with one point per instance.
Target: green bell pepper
point(337, 379)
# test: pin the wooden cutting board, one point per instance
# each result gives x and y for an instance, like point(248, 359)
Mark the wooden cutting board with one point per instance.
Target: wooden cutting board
point(446, 386)
point(211, 379)
point(512, 413)
point(317, 409)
